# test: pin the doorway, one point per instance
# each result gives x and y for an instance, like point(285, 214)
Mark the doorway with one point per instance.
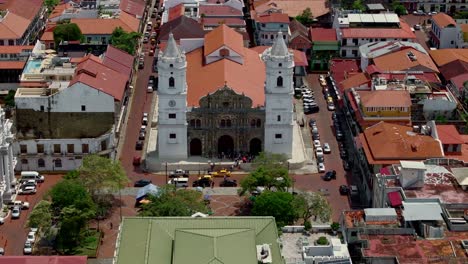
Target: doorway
point(195, 147)
point(225, 144)
point(255, 146)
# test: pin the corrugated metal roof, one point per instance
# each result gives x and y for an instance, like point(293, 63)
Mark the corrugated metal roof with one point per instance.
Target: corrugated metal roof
point(413, 164)
point(380, 212)
point(422, 212)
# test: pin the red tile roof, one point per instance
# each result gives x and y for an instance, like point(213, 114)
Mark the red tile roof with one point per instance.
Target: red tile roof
point(27, 9)
point(14, 49)
point(322, 34)
point(400, 61)
point(404, 32)
point(300, 59)
point(219, 10)
point(448, 134)
point(43, 260)
point(58, 10)
point(118, 60)
point(272, 18)
point(355, 80)
point(130, 20)
point(453, 69)
point(216, 21)
point(16, 65)
point(181, 27)
point(13, 26)
point(385, 98)
point(223, 36)
point(293, 7)
point(92, 72)
point(444, 56)
point(342, 68)
point(176, 11)
point(98, 26)
point(443, 20)
point(133, 7)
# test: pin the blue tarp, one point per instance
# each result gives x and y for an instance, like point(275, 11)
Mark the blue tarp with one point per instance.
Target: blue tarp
point(148, 189)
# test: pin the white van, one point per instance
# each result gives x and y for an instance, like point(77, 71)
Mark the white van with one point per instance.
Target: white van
point(179, 182)
point(31, 175)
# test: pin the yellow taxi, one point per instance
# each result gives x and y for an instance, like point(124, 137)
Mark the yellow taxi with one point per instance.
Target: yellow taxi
point(221, 173)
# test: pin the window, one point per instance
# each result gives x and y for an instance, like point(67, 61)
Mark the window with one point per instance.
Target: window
point(70, 148)
point(40, 148)
point(198, 123)
point(103, 145)
point(172, 136)
point(280, 64)
point(252, 123)
point(224, 53)
point(263, 25)
point(103, 40)
point(281, 25)
point(84, 148)
point(171, 65)
point(225, 104)
point(171, 82)
point(284, 36)
point(278, 136)
point(57, 148)
point(172, 116)
point(259, 123)
point(83, 107)
point(223, 123)
point(228, 123)
point(279, 81)
point(41, 163)
point(24, 161)
point(11, 42)
point(88, 39)
point(271, 36)
point(192, 123)
point(278, 118)
point(42, 108)
point(23, 149)
point(58, 163)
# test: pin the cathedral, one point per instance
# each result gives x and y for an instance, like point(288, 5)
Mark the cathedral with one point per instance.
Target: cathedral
point(217, 97)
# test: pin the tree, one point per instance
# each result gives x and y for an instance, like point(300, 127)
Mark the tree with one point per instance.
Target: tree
point(41, 216)
point(277, 204)
point(398, 8)
point(71, 193)
point(67, 32)
point(313, 204)
point(270, 172)
point(10, 98)
point(172, 202)
point(50, 4)
point(358, 5)
point(306, 18)
point(72, 222)
point(124, 40)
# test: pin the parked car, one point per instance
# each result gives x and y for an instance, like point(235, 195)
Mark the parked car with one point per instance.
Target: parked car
point(228, 183)
point(346, 165)
point(339, 135)
point(29, 183)
point(326, 148)
point(139, 145)
point(315, 136)
point(312, 122)
point(321, 77)
point(344, 190)
point(319, 151)
point(142, 136)
point(141, 64)
point(2, 251)
point(17, 203)
point(179, 173)
point(331, 107)
point(329, 175)
point(27, 190)
point(321, 167)
point(149, 89)
point(142, 183)
point(334, 117)
point(320, 159)
point(417, 27)
point(221, 173)
point(27, 248)
point(2, 220)
point(144, 120)
point(343, 154)
point(136, 160)
point(31, 237)
point(16, 212)
point(317, 144)
point(145, 40)
point(202, 182)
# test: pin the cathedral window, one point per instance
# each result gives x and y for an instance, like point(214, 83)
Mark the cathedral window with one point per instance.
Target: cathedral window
point(192, 123)
point(228, 123)
point(252, 123)
point(171, 82)
point(279, 81)
point(223, 123)
point(198, 123)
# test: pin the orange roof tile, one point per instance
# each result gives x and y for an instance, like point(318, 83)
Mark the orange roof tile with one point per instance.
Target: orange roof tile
point(17, 65)
point(386, 143)
point(97, 26)
point(355, 80)
point(464, 28)
point(27, 9)
point(223, 36)
point(293, 7)
point(300, 58)
point(13, 26)
point(176, 11)
point(444, 56)
point(443, 20)
point(385, 98)
point(131, 21)
point(14, 49)
point(58, 10)
point(400, 61)
point(399, 33)
point(449, 134)
point(272, 18)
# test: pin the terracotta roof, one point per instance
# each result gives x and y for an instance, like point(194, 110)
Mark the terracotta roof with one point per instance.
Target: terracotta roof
point(355, 80)
point(386, 143)
point(400, 61)
point(44, 259)
point(118, 60)
point(322, 34)
point(444, 56)
point(14, 49)
point(219, 10)
point(300, 59)
point(448, 134)
point(216, 21)
point(293, 7)
point(18, 7)
point(58, 10)
point(341, 68)
point(247, 78)
point(296, 26)
point(453, 69)
point(130, 20)
point(404, 32)
point(464, 28)
point(223, 36)
point(92, 72)
point(181, 27)
point(133, 7)
point(385, 98)
point(5, 65)
point(443, 20)
point(97, 26)
point(272, 18)
point(176, 11)
point(460, 81)
point(13, 26)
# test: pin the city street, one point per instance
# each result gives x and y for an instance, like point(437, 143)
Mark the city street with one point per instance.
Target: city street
point(421, 35)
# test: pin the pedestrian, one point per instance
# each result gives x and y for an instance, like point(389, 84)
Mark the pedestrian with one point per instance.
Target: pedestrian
point(212, 184)
point(111, 225)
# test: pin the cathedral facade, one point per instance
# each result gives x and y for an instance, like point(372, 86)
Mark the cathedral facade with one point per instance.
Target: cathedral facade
point(222, 99)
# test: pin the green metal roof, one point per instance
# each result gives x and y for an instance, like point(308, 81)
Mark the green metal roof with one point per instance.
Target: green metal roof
point(210, 240)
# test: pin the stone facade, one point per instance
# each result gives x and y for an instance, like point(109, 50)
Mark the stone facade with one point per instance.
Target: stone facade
point(7, 160)
point(225, 123)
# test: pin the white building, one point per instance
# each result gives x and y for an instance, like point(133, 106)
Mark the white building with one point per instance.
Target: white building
point(7, 159)
point(445, 32)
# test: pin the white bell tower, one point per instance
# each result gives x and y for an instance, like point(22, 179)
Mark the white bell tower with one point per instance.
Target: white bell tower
point(279, 90)
point(172, 106)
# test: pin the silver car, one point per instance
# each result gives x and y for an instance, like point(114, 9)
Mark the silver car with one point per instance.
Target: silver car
point(27, 248)
point(16, 212)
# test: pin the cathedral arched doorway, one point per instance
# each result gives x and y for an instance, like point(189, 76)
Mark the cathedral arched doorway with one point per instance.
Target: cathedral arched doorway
point(195, 147)
point(255, 146)
point(225, 145)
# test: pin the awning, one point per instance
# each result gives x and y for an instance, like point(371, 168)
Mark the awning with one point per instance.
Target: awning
point(395, 199)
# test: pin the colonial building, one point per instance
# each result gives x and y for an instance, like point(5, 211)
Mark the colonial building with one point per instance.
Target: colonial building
point(7, 160)
point(229, 100)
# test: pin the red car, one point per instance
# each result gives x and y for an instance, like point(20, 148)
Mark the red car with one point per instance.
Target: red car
point(136, 160)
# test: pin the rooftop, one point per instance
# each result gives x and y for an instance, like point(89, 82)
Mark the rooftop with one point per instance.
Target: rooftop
point(133, 7)
point(454, 69)
point(464, 151)
point(13, 26)
point(373, 18)
point(323, 34)
point(176, 12)
point(386, 143)
point(341, 68)
point(377, 49)
point(443, 20)
point(43, 260)
point(406, 60)
point(219, 10)
point(181, 27)
point(300, 58)
point(448, 134)
point(404, 32)
point(18, 7)
point(272, 18)
point(118, 60)
point(444, 56)
point(292, 7)
point(385, 98)
point(98, 26)
point(196, 240)
point(357, 218)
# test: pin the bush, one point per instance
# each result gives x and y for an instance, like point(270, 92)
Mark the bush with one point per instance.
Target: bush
point(335, 226)
point(322, 241)
point(307, 225)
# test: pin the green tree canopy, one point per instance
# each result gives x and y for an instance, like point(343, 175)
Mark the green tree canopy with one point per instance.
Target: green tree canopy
point(398, 8)
point(172, 202)
point(10, 98)
point(306, 18)
point(68, 193)
point(358, 5)
point(124, 40)
point(72, 222)
point(41, 216)
point(311, 204)
point(280, 205)
point(271, 172)
point(66, 32)
point(50, 4)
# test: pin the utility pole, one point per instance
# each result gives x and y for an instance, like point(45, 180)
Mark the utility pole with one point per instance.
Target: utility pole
point(166, 173)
